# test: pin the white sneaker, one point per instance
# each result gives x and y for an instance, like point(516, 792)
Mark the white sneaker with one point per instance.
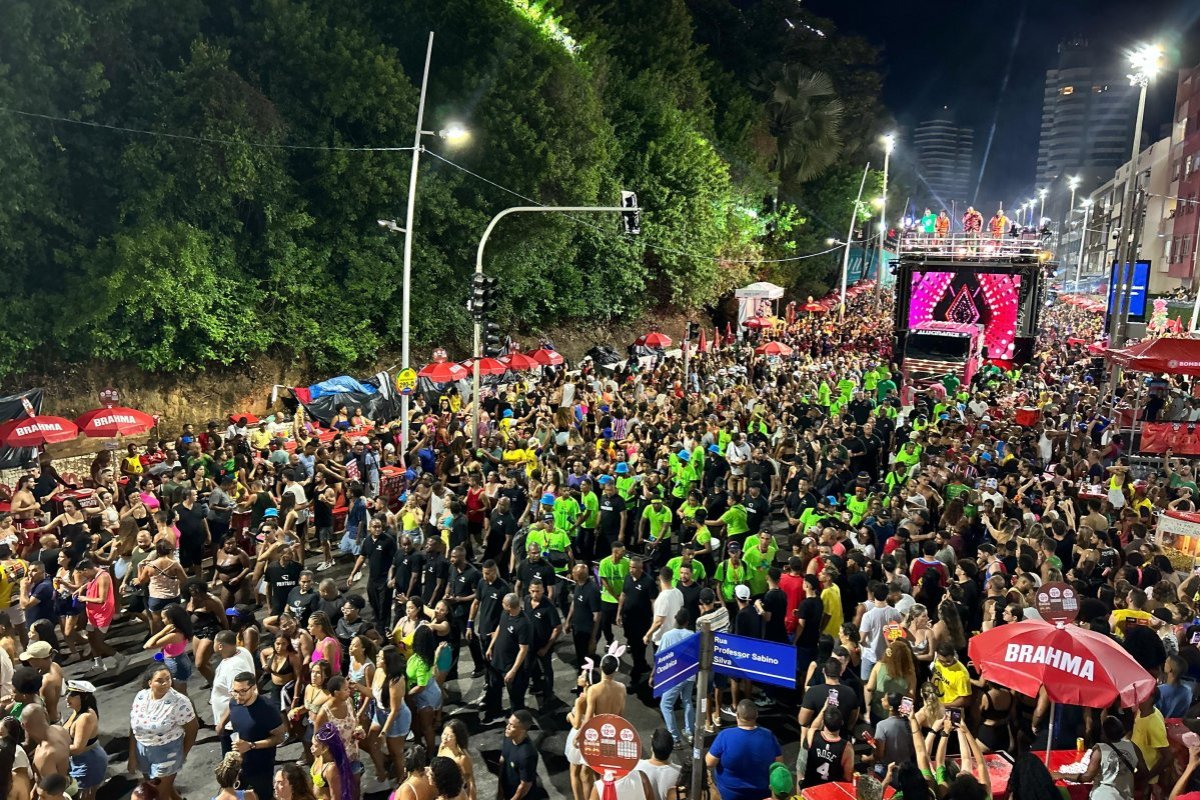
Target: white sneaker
point(324, 565)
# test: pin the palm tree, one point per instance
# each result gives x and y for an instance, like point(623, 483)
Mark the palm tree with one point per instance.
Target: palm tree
point(804, 116)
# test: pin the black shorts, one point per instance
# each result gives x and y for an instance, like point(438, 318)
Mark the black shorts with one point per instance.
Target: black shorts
point(325, 533)
point(190, 556)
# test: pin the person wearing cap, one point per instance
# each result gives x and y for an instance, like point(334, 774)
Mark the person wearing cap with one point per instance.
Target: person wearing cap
point(626, 481)
point(89, 762)
point(716, 468)
point(683, 476)
point(40, 656)
point(554, 544)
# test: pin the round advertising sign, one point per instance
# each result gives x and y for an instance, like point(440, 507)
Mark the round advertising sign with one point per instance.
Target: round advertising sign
point(109, 397)
point(608, 743)
point(1057, 602)
point(406, 381)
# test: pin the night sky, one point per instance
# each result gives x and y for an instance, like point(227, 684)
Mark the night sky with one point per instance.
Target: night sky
point(987, 61)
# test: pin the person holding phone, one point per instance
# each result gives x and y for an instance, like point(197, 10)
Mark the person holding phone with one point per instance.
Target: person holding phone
point(830, 756)
point(893, 738)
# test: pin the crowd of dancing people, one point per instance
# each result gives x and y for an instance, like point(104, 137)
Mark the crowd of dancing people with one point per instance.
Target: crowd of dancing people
point(279, 596)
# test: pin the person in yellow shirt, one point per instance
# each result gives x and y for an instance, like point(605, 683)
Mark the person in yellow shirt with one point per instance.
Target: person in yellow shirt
point(1134, 613)
point(831, 603)
point(950, 677)
point(260, 439)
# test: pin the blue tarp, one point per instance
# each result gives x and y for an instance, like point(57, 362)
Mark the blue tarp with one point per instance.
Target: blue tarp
point(343, 384)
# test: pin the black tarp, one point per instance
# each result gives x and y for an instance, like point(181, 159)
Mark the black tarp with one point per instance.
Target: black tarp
point(374, 405)
point(11, 407)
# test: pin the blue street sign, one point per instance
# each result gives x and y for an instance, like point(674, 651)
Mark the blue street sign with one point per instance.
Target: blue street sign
point(755, 659)
point(675, 665)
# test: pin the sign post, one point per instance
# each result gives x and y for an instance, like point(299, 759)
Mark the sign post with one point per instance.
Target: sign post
point(676, 665)
point(698, 743)
point(754, 659)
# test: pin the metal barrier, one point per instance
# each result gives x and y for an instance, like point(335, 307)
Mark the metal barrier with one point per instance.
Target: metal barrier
point(959, 246)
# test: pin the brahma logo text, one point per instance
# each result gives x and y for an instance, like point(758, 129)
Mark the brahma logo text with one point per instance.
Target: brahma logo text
point(1080, 667)
point(113, 419)
point(22, 430)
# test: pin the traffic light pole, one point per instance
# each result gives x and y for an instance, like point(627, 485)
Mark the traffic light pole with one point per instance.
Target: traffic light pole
point(476, 348)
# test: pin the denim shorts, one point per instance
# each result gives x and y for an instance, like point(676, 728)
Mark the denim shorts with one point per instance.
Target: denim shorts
point(157, 604)
point(160, 760)
point(428, 697)
point(401, 725)
point(181, 666)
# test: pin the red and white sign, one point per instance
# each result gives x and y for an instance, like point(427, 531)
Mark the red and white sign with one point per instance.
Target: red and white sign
point(1181, 438)
point(37, 431)
point(608, 743)
point(105, 423)
point(1057, 602)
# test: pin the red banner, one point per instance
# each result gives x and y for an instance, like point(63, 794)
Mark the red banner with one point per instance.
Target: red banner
point(1181, 438)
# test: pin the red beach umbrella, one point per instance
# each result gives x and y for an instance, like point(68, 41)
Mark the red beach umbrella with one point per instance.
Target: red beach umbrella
point(547, 357)
point(519, 362)
point(487, 366)
point(758, 323)
point(653, 339)
point(105, 423)
point(444, 372)
point(1075, 665)
point(37, 431)
point(773, 349)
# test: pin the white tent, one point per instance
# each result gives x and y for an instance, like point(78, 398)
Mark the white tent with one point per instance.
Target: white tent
point(755, 298)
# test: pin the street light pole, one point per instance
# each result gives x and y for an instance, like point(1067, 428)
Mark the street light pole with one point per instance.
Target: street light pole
point(849, 240)
point(476, 353)
point(1041, 205)
point(406, 280)
point(889, 143)
point(1145, 63)
point(1087, 207)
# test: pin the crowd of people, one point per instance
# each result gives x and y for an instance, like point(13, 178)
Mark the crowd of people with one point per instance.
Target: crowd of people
point(604, 514)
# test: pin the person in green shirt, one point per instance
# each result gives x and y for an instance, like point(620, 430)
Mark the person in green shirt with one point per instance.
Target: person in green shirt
point(656, 521)
point(731, 572)
point(846, 389)
point(824, 394)
point(856, 504)
point(759, 555)
point(613, 569)
point(734, 522)
point(688, 559)
point(885, 387)
point(688, 510)
point(566, 513)
point(683, 476)
point(589, 518)
point(626, 483)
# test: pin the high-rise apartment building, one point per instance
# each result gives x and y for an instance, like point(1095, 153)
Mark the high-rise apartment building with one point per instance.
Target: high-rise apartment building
point(1088, 113)
point(945, 162)
point(1183, 234)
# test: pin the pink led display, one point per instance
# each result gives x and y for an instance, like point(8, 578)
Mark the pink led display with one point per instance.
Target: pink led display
point(988, 298)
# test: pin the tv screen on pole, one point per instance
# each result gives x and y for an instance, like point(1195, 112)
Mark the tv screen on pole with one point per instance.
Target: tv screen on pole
point(990, 299)
point(1138, 289)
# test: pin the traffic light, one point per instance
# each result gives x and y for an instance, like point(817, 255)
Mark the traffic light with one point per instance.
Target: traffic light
point(693, 330)
point(483, 296)
point(631, 221)
point(493, 343)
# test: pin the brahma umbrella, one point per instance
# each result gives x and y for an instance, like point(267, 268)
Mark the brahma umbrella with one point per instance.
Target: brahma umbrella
point(487, 366)
point(37, 431)
point(813, 307)
point(519, 362)
point(105, 423)
point(773, 349)
point(547, 357)
point(444, 372)
point(758, 323)
point(1075, 666)
point(654, 339)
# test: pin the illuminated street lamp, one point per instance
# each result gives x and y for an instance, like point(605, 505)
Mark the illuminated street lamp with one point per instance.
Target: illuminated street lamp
point(889, 144)
point(1042, 204)
point(1146, 61)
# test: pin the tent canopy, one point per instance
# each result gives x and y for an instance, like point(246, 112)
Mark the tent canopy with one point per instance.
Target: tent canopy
point(761, 289)
point(1172, 356)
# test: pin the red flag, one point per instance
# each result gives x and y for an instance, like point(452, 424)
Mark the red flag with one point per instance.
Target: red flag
point(716, 338)
point(702, 345)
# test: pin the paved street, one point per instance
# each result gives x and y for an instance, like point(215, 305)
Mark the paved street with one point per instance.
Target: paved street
point(196, 780)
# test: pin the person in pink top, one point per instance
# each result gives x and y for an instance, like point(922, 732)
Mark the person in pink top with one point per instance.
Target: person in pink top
point(172, 643)
point(100, 604)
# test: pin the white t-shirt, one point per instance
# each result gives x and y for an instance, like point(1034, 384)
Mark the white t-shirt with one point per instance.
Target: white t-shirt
point(297, 492)
point(241, 661)
point(667, 605)
point(662, 776)
point(873, 623)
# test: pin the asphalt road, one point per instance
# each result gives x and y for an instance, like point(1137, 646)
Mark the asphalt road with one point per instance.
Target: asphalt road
point(116, 692)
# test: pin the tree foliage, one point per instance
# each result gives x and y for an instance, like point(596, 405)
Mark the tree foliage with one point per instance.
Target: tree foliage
point(184, 183)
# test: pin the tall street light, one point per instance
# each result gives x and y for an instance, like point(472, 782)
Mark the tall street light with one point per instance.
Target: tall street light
point(1041, 205)
point(452, 133)
point(849, 240)
point(1146, 61)
point(889, 144)
point(1087, 207)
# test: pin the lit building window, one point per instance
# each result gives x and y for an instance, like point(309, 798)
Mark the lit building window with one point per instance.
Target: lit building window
point(1067, 90)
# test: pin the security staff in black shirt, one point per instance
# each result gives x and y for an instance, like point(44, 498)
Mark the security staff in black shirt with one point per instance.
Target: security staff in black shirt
point(535, 567)
point(460, 596)
point(378, 550)
point(757, 508)
point(583, 619)
point(409, 568)
point(547, 626)
point(485, 613)
point(500, 534)
point(507, 655)
point(635, 612)
point(437, 572)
